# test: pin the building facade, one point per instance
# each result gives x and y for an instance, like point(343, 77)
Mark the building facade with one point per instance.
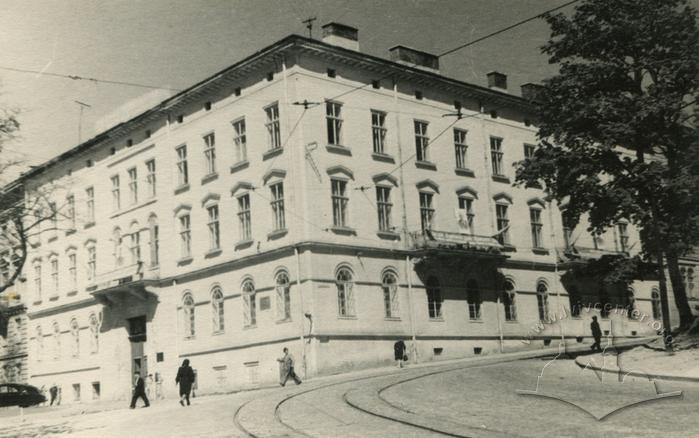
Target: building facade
point(313, 197)
point(13, 337)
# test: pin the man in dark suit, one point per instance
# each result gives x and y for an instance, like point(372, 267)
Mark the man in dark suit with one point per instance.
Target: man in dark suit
point(139, 390)
point(596, 333)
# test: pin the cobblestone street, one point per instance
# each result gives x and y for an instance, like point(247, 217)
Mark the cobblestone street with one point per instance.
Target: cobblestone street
point(437, 399)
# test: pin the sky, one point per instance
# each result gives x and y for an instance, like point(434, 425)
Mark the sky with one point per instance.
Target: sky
point(174, 44)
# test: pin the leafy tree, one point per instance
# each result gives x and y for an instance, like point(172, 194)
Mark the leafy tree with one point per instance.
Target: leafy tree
point(618, 137)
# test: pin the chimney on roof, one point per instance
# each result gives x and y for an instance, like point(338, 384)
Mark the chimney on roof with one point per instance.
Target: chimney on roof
point(415, 58)
point(531, 91)
point(497, 80)
point(341, 35)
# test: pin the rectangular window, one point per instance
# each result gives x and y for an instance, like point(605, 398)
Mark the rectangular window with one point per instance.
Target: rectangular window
point(278, 206)
point(378, 131)
point(383, 205)
point(426, 211)
point(76, 392)
point(135, 248)
point(154, 232)
point(529, 150)
point(496, 155)
point(244, 217)
point(333, 119)
point(70, 200)
point(150, 177)
point(240, 141)
point(503, 224)
point(73, 271)
point(466, 214)
point(54, 276)
point(185, 236)
point(460, 148)
point(273, 130)
point(90, 204)
point(37, 281)
point(91, 264)
point(422, 141)
point(210, 153)
point(214, 234)
point(182, 170)
point(623, 237)
point(340, 201)
point(116, 195)
point(537, 227)
point(133, 186)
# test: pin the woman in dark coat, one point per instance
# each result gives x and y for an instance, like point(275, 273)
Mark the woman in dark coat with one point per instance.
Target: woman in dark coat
point(185, 377)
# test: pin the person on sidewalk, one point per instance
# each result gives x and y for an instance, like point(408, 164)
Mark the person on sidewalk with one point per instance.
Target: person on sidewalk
point(139, 391)
point(185, 378)
point(286, 368)
point(53, 391)
point(596, 334)
point(399, 353)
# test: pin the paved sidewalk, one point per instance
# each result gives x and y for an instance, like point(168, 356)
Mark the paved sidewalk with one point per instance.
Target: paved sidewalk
point(611, 362)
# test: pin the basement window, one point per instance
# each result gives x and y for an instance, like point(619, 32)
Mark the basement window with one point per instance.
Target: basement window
point(237, 91)
point(148, 133)
point(331, 73)
point(477, 350)
point(129, 143)
point(180, 118)
point(376, 84)
point(207, 106)
point(89, 163)
point(418, 94)
point(270, 76)
point(438, 351)
point(493, 114)
point(457, 105)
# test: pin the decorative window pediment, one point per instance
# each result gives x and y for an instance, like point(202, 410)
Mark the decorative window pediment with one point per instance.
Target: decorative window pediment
point(340, 171)
point(427, 185)
point(385, 178)
point(241, 188)
point(273, 175)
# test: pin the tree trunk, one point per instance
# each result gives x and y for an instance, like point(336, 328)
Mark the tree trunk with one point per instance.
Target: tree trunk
point(673, 267)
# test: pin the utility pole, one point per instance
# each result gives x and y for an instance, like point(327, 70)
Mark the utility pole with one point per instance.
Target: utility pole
point(309, 25)
point(80, 119)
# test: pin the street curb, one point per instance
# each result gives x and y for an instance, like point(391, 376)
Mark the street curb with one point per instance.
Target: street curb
point(650, 376)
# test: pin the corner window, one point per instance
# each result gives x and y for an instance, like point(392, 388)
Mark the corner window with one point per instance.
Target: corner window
point(340, 202)
point(240, 141)
point(473, 296)
point(116, 194)
point(503, 224)
point(188, 311)
point(345, 293)
point(378, 131)
point(536, 227)
point(333, 118)
point(182, 168)
point(542, 301)
point(389, 286)
point(133, 186)
point(496, 155)
point(217, 311)
point(150, 177)
point(185, 236)
point(213, 226)
point(509, 301)
point(273, 130)
point(249, 304)
point(384, 206)
point(434, 298)
point(277, 204)
point(244, 218)
point(283, 287)
point(466, 214)
point(422, 141)
point(210, 153)
point(460, 148)
point(426, 211)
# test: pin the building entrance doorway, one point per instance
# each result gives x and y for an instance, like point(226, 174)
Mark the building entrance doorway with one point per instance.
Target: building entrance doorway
point(137, 337)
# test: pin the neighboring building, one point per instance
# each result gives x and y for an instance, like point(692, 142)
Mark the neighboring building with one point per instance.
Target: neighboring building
point(689, 269)
point(13, 337)
point(314, 197)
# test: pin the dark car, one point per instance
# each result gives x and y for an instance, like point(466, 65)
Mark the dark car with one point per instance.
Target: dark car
point(15, 394)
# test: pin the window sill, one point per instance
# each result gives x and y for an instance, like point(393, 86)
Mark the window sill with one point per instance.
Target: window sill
point(383, 157)
point(35, 244)
point(181, 189)
point(540, 251)
point(218, 333)
point(53, 238)
point(185, 261)
point(89, 225)
point(348, 317)
point(272, 153)
point(250, 327)
point(213, 253)
point(72, 292)
point(427, 165)
point(284, 321)
point(190, 338)
point(440, 319)
point(391, 318)
point(501, 179)
point(344, 230)
point(338, 149)
point(244, 244)
point(208, 178)
point(240, 165)
point(70, 231)
point(462, 171)
point(509, 248)
point(276, 234)
point(36, 302)
point(53, 297)
point(388, 235)
point(475, 321)
point(511, 321)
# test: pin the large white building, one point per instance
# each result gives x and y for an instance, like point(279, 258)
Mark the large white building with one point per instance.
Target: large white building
point(314, 197)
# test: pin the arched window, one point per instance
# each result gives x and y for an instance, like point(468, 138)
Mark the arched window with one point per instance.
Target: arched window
point(188, 307)
point(630, 303)
point(217, 309)
point(389, 284)
point(39, 344)
point(249, 303)
point(153, 242)
point(117, 241)
point(56, 341)
point(434, 298)
point(473, 296)
point(135, 243)
point(345, 293)
point(94, 333)
point(655, 303)
point(542, 300)
point(75, 334)
point(509, 301)
point(283, 296)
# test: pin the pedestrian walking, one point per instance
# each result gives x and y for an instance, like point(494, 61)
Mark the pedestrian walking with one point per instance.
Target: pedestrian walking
point(399, 353)
point(185, 378)
point(596, 334)
point(286, 368)
point(53, 391)
point(139, 391)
